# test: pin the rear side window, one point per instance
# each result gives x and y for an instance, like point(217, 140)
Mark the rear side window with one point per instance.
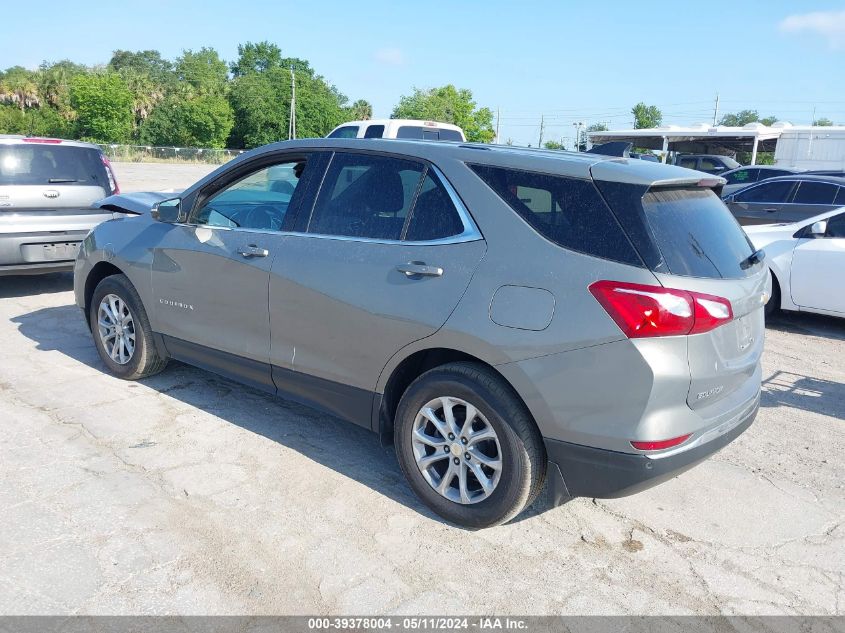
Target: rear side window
point(689, 163)
point(434, 215)
point(52, 164)
point(767, 192)
point(428, 133)
point(742, 176)
point(810, 192)
point(347, 131)
point(695, 233)
point(567, 211)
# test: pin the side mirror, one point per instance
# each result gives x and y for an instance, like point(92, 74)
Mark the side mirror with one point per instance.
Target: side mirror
point(817, 229)
point(169, 211)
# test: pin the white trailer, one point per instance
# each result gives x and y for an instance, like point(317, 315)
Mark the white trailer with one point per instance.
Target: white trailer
point(812, 148)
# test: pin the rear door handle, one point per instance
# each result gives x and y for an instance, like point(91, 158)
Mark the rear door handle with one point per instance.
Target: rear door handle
point(419, 269)
point(251, 250)
point(770, 210)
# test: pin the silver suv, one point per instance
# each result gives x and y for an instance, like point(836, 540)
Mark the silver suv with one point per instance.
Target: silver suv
point(508, 317)
point(47, 187)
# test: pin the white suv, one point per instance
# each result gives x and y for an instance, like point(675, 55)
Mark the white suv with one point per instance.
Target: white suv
point(399, 128)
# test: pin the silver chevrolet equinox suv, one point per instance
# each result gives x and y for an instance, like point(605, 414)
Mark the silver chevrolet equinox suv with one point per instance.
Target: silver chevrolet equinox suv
point(508, 317)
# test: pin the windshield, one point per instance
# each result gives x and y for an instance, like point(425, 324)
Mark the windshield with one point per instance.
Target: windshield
point(59, 165)
point(696, 234)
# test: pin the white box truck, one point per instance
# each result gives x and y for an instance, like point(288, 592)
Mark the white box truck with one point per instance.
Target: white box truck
point(811, 148)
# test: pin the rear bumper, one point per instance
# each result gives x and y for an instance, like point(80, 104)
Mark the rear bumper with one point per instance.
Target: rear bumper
point(36, 269)
point(584, 471)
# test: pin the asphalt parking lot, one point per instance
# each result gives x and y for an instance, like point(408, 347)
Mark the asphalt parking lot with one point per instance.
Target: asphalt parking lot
point(186, 493)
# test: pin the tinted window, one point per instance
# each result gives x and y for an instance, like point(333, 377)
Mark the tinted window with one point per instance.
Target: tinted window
point(566, 211)
point(687, 162)
point(49, 164)
point(374, 131)
point(428, 133)
point(365, 196)
point(742, 176)
point(815, 193)
point(840, 197)
point(771, 173)
point(710, 164)
point(257, 201)
point(767, 192)
point(450, 135)
point(696, 234)
point(434, 216)
point(347, 131)
point(836, 226)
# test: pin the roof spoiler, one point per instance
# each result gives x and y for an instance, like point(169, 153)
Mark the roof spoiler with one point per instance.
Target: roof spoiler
point(614, 148)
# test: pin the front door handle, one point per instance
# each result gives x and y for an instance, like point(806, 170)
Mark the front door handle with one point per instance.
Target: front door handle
point(251, 250)
point(770, 209)
point(419, 269)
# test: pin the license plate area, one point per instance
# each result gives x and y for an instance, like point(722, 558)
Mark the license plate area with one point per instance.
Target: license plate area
point(50, 251)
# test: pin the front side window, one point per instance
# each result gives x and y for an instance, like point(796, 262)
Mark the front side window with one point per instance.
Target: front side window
point(259, 200)
point(365, 196)
point(810, 192)
point(568, 211)
point(836, 226)
point(347, 131)
point(710, 164)
point(770, 192)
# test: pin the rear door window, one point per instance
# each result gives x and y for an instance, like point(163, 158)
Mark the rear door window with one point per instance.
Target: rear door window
point(52, 164)
point(768, 192)
point(810, 192)
point(374, 131)
point(695, 233)
point(568, 211)
point(434, 216)
point(365, 196)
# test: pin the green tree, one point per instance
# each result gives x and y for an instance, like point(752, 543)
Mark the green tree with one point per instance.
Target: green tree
point(646, 116)
point(361, 110)
point(203, 72)
point(103, 106)
point(448, 104)
point(149, 63)
point(744, 117)
point(196, 122)
point(19, 88)
point(261, 103)
point(256, 58)
point(555, 145)
point(823, 122)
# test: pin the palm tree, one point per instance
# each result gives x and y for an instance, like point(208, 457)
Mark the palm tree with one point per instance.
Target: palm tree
point(18, 88)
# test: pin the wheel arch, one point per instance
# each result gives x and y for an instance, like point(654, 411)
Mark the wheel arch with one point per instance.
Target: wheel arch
point(409, 369)
point(99, 271)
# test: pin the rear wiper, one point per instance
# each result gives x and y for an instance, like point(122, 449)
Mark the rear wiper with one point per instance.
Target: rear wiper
point(755, 258)
point(63, 180)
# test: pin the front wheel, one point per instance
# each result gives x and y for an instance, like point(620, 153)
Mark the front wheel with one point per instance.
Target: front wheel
point(773, 304)
point(468, 446)
point(121, 330)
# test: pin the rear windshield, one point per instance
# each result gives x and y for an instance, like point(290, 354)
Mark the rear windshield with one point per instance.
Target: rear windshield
point(696, 234)
point(428, 133)
point(347, 131)
point(58, 165)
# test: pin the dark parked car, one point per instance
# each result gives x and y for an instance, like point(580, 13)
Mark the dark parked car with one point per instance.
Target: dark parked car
point(708, 163)
point(744, 176)
point(504, 315)
point(787, 198)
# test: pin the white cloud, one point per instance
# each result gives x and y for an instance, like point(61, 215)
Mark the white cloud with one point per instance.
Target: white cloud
point(827, 24)
point(390, 56)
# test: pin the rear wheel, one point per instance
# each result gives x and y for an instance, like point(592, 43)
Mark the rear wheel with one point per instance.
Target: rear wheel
point(121, 330)
point(468, 446)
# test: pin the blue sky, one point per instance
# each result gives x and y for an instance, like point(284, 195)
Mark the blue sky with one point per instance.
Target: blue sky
point(584, 61)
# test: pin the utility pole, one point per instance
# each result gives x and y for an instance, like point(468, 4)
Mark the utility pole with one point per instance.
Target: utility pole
point(716, 110)
point(292, 119)
point(542, 126)
point(498, 118)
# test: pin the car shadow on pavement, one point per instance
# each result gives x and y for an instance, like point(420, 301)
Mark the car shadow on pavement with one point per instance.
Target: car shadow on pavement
point(797, 391)
point(343, 447)
point(25, 285)
point(807, 324)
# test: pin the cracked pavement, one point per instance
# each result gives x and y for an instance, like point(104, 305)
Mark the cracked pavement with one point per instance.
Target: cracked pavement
point(188, 494)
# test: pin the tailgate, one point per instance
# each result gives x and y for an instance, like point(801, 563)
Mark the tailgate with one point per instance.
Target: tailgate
point(53, 196)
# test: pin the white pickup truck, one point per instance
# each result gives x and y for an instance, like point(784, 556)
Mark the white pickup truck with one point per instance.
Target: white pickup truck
point(399, 128)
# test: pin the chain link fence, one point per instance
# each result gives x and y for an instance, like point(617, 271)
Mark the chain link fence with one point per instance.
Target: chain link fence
point(150, 154)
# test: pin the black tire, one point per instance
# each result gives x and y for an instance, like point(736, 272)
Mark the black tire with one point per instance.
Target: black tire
point(522, 452)
point(145, 360)
point(772, 307)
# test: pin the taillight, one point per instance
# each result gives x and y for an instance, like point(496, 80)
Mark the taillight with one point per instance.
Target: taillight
point(643, 311)
point(660, 444)
point(49, 141)
point(115, 188)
